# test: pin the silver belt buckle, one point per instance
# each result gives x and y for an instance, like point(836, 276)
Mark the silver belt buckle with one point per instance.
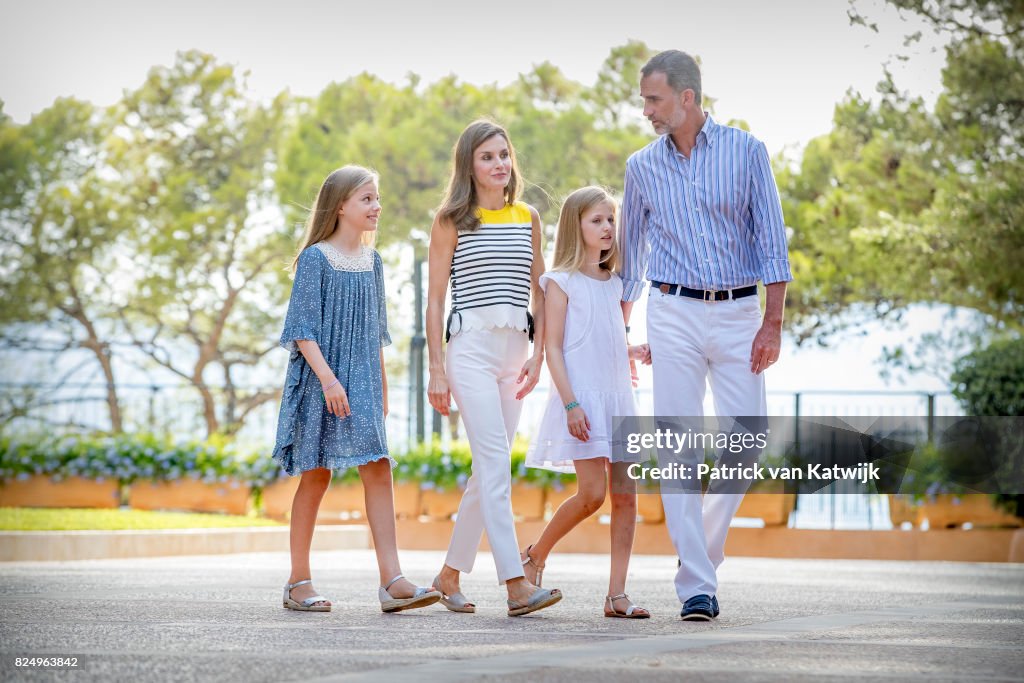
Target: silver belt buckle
point(709, 295)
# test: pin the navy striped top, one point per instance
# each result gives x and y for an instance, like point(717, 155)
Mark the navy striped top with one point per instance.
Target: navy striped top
point(491, 269)
point(713, 221)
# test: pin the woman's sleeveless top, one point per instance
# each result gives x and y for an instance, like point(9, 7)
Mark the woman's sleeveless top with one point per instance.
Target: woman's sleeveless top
point(491, 271)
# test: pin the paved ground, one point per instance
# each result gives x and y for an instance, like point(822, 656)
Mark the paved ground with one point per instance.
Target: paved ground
point(218, 618)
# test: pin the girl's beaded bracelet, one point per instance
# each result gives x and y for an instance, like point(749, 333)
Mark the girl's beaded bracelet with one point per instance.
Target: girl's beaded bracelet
point(329, 386)
point(570, 405)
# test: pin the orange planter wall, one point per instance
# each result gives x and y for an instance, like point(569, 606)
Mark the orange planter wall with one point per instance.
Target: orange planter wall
point(438, 504)
point(341, 503)
point(554, 499)
point(527, 502)
point(190, 495)
point(73, 492)
point(773, 508)
point(947, 510)
point(407, 500)
point(901, 510)
point(277, 498)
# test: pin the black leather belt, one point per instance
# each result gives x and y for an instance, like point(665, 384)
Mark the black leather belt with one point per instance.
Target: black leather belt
point(705, 294)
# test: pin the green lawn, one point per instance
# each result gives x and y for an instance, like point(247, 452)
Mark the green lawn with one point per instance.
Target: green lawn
point(68, 519)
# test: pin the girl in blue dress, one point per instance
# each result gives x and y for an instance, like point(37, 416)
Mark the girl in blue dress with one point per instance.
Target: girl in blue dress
point(335, 394)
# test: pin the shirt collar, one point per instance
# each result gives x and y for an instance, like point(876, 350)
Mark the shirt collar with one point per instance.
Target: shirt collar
point(709, 130)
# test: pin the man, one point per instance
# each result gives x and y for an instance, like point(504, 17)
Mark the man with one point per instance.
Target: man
point(701, 199)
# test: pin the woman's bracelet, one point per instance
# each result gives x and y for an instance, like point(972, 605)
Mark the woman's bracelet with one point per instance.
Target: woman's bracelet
point(570, 405)
point(331, 385)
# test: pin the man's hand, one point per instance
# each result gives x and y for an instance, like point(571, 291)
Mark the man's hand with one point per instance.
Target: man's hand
point(766, 347)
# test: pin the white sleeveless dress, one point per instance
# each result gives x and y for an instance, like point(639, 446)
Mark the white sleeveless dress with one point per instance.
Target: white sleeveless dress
point(597, 362)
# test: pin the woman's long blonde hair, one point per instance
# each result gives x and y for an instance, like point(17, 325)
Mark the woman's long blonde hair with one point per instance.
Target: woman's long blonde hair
point(460, 201)
point(323, 219)
point(569, 249)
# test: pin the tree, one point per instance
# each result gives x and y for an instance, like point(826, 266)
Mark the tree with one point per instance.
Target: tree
point(902, 204)
point(181, 203)
point(206, 241)
point(62, 216)
point(407, 134)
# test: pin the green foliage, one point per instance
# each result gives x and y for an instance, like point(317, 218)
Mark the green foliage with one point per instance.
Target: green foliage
point(563, 135)
point(931, 471)
point(162, 225)
point(197, 154)
point(902, 204)
point(129, 458)
point(429, 465)
point(990, 381)
point(60, 214)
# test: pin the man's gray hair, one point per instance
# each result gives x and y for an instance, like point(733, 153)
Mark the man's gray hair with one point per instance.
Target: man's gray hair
point(681, 71)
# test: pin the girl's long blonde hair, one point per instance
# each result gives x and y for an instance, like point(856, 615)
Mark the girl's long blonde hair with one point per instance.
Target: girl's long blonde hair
point(460, 202)
point(323, 219)
point(569, 249)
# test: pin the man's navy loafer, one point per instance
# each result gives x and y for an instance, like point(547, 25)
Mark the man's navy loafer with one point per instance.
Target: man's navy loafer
point(698, 608)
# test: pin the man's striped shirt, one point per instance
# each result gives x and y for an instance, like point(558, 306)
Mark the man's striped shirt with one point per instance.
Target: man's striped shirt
point(713, 221)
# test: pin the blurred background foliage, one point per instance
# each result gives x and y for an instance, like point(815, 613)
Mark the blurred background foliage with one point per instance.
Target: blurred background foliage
point(161, 227)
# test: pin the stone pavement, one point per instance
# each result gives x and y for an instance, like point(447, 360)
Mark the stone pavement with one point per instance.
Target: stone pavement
point(218, 618)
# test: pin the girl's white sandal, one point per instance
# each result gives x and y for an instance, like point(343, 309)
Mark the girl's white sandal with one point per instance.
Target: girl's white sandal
point(421, 597)
point(631, 611)
point(307, 605)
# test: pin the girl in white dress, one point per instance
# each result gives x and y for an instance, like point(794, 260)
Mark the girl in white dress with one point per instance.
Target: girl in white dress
point(589, 361)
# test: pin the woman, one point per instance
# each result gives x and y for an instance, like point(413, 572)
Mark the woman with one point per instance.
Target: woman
point(487, 243)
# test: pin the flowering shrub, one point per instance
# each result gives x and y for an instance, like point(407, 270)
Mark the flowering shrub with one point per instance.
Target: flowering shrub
point(433, 468)
point(128, 458)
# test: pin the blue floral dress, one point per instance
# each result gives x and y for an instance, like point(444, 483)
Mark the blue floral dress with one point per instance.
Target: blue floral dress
point(338, 302)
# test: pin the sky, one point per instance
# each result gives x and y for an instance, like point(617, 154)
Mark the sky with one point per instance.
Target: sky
point(781, 66)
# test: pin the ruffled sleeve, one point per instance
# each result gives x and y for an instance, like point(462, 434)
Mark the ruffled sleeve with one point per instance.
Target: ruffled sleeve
point(558, 277)
point(305, 307)
point(382, 305)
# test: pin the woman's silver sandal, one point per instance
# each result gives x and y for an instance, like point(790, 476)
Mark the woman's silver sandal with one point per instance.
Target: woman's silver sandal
point(538, 567)
point(421, 597)
point(307, 605)
point(456, 602)
point(541, 598)
point(631, 611)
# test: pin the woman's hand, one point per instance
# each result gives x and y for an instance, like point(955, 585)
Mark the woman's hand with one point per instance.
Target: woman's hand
point(579, 424)
point(531, 375)
point(337, 401)
point(438, 394)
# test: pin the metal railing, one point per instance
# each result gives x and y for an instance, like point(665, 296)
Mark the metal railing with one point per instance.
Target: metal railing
point(176, 410)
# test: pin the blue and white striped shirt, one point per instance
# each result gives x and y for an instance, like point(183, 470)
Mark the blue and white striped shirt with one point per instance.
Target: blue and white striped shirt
point(713, 221)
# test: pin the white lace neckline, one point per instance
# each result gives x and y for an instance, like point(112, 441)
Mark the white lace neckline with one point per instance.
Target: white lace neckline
point(340, 261)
